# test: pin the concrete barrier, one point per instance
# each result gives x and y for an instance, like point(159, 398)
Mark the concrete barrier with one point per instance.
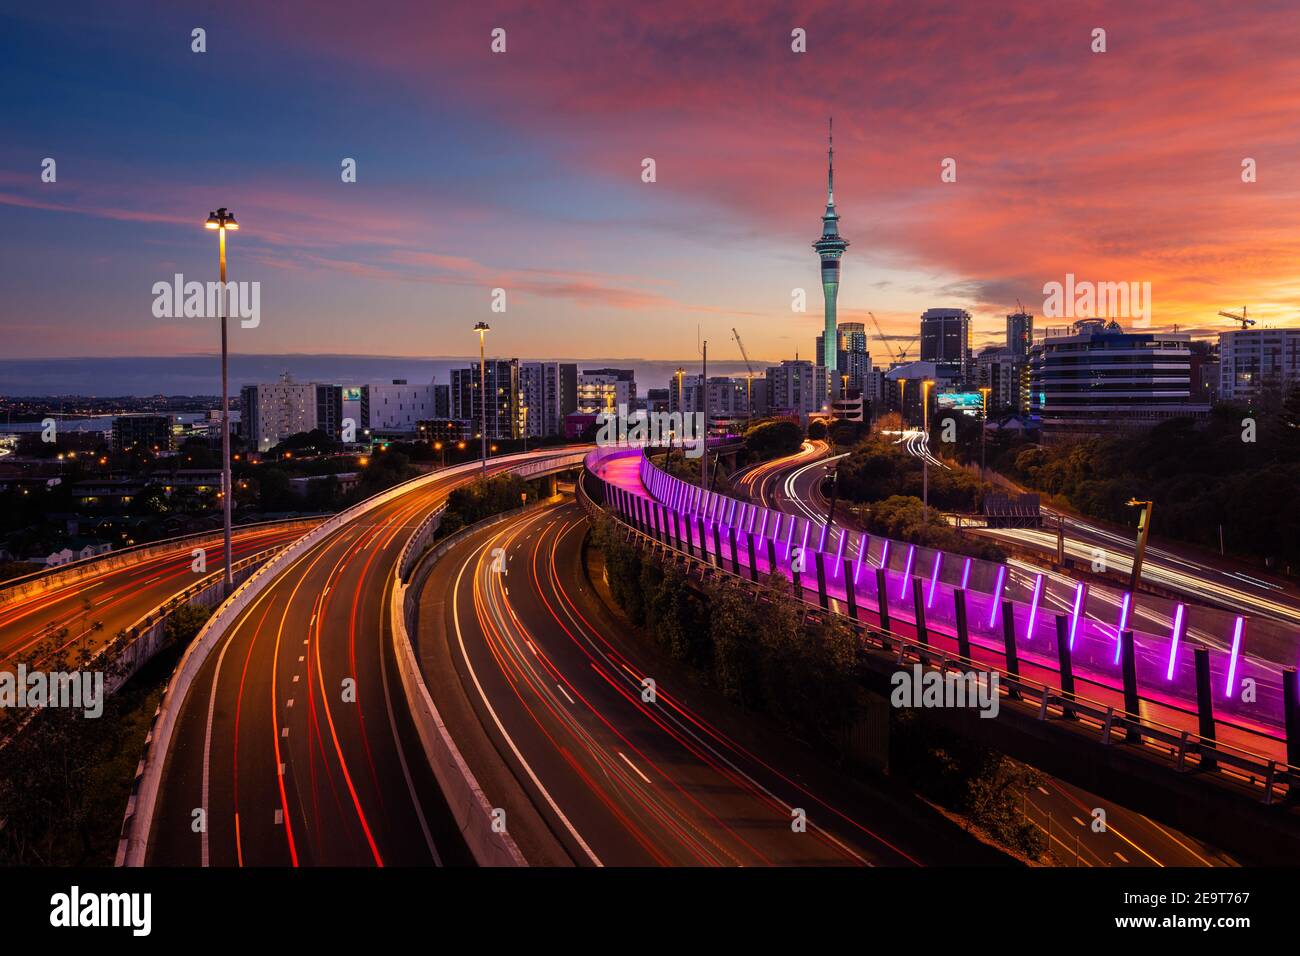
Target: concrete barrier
point(469, 805)
point(136, 828)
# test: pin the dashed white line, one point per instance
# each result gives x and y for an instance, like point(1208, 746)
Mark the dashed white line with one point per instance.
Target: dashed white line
point(634, 767)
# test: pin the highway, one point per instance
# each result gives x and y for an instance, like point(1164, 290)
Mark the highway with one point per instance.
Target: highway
point(542, 688)
point(70, 623)
point(296, 737)
point(793, 484)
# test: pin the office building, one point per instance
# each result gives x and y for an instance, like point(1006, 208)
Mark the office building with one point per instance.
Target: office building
point(1097, 379)
point(1256, 362)
point(945, 340)
point(1020, 334)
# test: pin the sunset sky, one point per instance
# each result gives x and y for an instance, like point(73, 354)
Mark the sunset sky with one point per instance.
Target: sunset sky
point(523, 170)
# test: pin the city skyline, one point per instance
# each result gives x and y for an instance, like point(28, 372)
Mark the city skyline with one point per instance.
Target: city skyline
point(592, 257)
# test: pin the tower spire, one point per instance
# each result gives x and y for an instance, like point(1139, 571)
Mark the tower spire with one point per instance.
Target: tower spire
point(830, 162)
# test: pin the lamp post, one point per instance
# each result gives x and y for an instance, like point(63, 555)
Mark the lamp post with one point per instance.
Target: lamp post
point(984, 425)
point(925, 447)
point(482, 328)
point(221, 220)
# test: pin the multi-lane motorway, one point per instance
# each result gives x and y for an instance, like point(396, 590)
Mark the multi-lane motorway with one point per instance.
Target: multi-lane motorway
point(545, 694)
point(294, 745)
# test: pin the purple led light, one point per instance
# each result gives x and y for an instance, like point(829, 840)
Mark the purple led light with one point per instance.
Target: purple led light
point(863, 541)
point(821, 542)
point(907, 571)
point(934, 578)
point(789, 538)
point(1232, 661)
point(997, 594)
point(1123, 622)
point(1033, 608)
point(839, 552)
point(1174, 636)
point(884, 555)
point(1080, 590)
point(762, 532)
point(965, 574)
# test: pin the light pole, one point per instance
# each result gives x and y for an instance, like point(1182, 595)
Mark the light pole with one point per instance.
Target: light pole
point(984, 425)
point(925, 447)
point(482, 328)
point(221, 220)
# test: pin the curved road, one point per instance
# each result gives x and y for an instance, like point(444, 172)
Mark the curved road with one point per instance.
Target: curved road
point(72, 622)
point(295, 737)
point(542, 688)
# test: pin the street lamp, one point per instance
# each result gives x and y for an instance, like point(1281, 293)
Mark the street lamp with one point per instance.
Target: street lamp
point(984, 425)
point(482, 328)
point(925, 446)
point(221, 220)
point(1144, 531)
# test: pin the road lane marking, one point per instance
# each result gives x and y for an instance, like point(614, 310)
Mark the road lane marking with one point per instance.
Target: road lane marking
point(633, 766)
point(460, 640)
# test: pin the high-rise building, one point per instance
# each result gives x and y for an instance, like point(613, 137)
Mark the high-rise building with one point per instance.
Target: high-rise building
point(548, 391)
point(1097, 378)
point(830, 247)
point(271, 413)
point(503, 418)
point(724, 400)
point(796, 387)
point(852, 359)
point(945, 340)
point(605, 389)
point(397, 407)
point(1005, 375)
point(1253, 362)
point(1020, 334)
point(152, 432)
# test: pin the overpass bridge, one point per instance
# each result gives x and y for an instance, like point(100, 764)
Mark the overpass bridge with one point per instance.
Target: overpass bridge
point(1145, 718)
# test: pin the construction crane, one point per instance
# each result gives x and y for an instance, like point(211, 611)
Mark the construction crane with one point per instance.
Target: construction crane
point(902, 353)
point(749, 382)
point(897, 357)
point(1245, 322)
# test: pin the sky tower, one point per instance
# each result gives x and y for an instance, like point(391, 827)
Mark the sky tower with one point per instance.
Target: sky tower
point(830, 247)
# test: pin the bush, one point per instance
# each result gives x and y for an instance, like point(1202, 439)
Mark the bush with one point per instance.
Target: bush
point(773, 439)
